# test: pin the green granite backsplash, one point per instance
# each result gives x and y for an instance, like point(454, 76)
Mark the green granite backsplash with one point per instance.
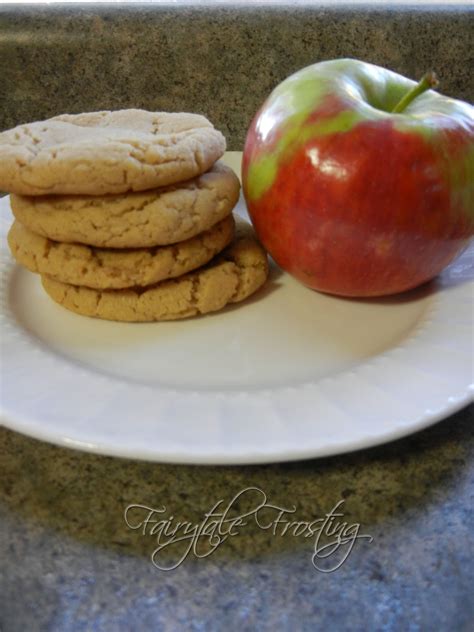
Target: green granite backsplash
point(213, 60)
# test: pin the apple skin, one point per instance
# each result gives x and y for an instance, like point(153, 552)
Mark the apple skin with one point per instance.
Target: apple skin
point(354, 200)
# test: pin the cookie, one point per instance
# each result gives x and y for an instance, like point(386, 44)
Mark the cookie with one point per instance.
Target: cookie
point(106, 152)
point(239, 271)
point(105, 268)
point(134, 220)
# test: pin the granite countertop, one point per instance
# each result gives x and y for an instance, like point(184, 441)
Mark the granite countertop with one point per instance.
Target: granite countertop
point(69, 561)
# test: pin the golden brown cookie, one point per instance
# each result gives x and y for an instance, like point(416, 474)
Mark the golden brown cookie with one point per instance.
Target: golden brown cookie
point(134, 220)
point(102, 268)
point(232, 276)
point(107, 152)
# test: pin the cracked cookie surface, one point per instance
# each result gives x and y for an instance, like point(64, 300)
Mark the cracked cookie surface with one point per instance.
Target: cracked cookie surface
point(97, 153)
point(239, 271)
point(108, 268)
point(134, 220)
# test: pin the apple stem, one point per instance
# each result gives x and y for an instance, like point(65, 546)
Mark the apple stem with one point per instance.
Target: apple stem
point(429, 80)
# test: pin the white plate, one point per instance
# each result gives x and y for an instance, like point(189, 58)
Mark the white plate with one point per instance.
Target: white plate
point(287, 375)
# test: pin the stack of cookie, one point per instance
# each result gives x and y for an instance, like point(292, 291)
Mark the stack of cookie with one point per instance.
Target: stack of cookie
point(127, 215)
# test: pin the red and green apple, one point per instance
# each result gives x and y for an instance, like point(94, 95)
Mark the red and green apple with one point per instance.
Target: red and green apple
point(358, 181)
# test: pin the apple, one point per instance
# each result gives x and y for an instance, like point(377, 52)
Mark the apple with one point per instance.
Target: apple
point(360, 182)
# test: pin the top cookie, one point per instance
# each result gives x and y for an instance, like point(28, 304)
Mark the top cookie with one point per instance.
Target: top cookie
point(107, 152)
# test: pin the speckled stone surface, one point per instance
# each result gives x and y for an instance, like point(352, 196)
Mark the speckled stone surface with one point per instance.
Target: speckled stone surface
point(68, 560)
point(221, 62)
